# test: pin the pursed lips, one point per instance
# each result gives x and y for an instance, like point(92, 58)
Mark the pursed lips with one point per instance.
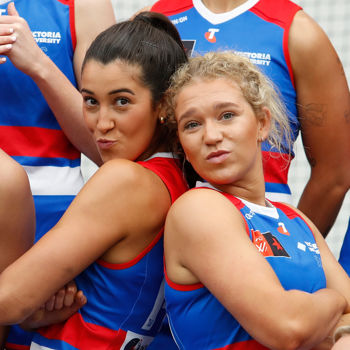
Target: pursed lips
point(218, 156)
point(105, 144)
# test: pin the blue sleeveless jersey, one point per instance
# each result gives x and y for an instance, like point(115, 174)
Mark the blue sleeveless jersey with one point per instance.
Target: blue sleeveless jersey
point(29, 131)
point(287, 243)
point(125, 301)
point(258, 30)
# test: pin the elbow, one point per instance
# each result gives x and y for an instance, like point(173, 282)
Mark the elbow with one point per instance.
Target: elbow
point(290, 335)
point(12, 311)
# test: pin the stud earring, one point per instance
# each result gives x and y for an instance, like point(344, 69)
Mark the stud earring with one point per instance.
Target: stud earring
point(162, 120)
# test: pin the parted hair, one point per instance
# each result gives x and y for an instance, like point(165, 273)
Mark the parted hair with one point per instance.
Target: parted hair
point(257, 89)
point(151, 42)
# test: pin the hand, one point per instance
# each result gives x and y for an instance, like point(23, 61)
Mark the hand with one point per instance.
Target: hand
point(17, 42)
point(342, 343)
point(63, 304)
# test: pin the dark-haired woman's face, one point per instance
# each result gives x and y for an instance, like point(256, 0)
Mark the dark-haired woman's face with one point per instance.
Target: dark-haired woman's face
point(118, 110)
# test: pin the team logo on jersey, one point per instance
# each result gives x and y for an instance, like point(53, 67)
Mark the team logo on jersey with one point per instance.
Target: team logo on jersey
point(134, 341)
point(179, 20)
point(311, 246)
point(47, 37)
point(210, 35)
point(259, 58)
point(282, 229)
point(267, 244)
point(189, 46)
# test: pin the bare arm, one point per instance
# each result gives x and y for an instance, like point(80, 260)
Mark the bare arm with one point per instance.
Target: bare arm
point(217, 233)
point(324, 107)
point(63, 98)
point(17, 217)
point(105, 213)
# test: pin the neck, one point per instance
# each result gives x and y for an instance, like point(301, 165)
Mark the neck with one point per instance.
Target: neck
point(250, 187)
point(222, 6)
point(254, 193)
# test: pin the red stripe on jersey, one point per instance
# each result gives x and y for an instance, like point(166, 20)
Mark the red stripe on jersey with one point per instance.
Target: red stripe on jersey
point(244, 345)
point(72, 24)
point(82, 335)
point(121, 266)
point(70, 3)
point(173, 7)
point(276, 167)
point(11, 346)
point(281, 13)
point(36, 142)
point(292, 214)
point(181, 287)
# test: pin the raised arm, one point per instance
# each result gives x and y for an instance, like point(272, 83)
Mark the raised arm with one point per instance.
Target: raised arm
point(64, 99)
point(106, 212)
point(216, 232)
point(324, 107)
point(17, 217)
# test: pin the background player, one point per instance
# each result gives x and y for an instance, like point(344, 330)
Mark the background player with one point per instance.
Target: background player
point(41, 122)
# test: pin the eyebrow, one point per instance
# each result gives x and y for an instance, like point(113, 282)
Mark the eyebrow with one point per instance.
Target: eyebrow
point(217, 106)
point(117, 91)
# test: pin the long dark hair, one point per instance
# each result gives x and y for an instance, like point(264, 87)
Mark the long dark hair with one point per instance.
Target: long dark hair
point(150, 41)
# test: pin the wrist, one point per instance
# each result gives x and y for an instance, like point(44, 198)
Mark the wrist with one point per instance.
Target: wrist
point(41, 68)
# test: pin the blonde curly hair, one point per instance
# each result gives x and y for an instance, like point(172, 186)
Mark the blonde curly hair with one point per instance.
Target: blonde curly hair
point(257, 89)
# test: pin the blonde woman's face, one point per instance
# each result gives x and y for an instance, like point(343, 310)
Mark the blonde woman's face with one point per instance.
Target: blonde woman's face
point(219, 131)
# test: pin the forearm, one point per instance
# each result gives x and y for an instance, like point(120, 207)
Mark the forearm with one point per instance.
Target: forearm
point(321, 201)
point(66, 103)
point(326, 311)
point(301, 320)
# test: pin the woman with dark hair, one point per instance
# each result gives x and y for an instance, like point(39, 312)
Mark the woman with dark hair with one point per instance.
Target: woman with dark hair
point(111, 237)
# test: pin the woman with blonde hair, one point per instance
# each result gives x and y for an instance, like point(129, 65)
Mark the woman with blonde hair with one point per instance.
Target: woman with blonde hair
point(242, 272)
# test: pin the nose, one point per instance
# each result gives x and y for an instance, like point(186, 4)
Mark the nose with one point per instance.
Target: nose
point(104, 121)
point(212, 133)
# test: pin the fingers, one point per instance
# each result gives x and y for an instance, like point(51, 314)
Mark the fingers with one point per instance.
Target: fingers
point(7, 38)
point(49, 305)
point(11, 9)
point(59, 299)
point(65, 297)
point(71, 291)
point(80, 300)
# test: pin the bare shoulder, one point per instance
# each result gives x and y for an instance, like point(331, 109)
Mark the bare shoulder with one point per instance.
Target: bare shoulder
point(13, 178)
point(17, 214)
point(91, 18)
point(306, 33)
point(307, 42)
point(198, 212)
point(93, 15)
point(137, 187)
point(127, 174)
